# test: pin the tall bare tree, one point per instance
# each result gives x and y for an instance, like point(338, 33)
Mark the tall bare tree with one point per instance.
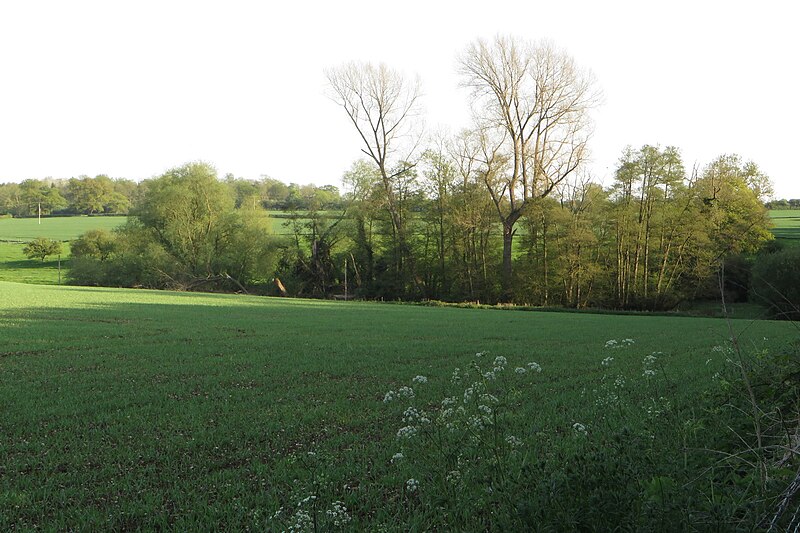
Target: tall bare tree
point(537, 100)
point(382, 105)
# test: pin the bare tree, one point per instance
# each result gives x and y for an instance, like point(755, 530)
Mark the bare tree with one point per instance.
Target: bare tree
point(531, 103)
point(382, 104)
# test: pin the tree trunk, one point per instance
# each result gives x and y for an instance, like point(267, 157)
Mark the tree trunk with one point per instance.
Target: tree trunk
point(508, 241)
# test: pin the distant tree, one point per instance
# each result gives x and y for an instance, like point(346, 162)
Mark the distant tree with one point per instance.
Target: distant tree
point(41, 247)
point(37, 194)
point(382, 105)
point(532, 107)
point(90, 195)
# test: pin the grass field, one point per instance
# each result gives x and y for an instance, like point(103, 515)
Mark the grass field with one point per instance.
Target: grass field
point(15, 266)
point(787, 225)
point(134, 409)
point(56, 228)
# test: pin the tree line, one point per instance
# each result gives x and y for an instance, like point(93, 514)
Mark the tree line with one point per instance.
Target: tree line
point(103, 195)
point(502, 211)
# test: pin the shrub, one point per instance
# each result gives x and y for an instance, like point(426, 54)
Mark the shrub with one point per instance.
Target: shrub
point(776, 282)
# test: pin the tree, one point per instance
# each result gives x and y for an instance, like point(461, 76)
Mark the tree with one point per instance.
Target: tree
point(381, 104)
point(41, 247)
point(531, 103)
point(37, 195)
point(90, 195)
point(185, 234)
point(732, 193)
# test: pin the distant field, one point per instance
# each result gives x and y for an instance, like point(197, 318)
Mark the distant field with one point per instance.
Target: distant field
point(57, 228)
point(787, 225)
point(14, 266)
point(135, 409)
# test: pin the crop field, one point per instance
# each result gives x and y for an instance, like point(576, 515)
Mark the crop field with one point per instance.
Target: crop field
point(787, 225)
point(56, 228)
point(134, 409)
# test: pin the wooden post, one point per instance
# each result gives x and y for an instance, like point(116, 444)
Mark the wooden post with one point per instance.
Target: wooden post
point(59, 269)
point(345, 279)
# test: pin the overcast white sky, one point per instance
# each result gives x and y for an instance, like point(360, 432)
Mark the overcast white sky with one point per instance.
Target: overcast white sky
point(131, 89)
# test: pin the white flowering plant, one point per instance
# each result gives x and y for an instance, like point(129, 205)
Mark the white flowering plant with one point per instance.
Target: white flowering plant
point(464, 444)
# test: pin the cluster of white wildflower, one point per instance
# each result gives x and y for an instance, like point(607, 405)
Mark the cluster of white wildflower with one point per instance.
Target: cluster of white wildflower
point(405, 392)
point(485, 410)
point(579, 428)
point(412, 416)
point(607, 361)
point(535, 367)
point(500, 363)
point(412, 485)
point(520, 370)
point(456, 377)
point(453, 477)
point(489, 375)
point(489, 398)
point(402, 392)
point(407, 432)
point(420, 379)
point(513, 441)
point(658, 407)
point(396, 458)
point(301, 521)
point(477, 422)
point(648, 364)
point(614, 343)
point(338, 514)
point(481, 354)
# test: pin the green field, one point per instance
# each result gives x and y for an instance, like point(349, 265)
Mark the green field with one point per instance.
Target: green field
point(787, 225)
point(56, 228)
point(15, 266)
point(134, 409)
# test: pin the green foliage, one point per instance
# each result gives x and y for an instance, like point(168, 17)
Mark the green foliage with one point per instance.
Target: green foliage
point(185, 235)
point(776, 282)
point(41, 247)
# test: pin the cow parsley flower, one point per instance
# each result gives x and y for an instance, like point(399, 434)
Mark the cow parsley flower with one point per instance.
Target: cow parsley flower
point(579, 428)
point(513, 441)
point(520, 370)
point(406, 432)
point(420, 379)
point(607, 361)
point(412, 485)
point(534, 367)
point(397, 457)
point(453, 477)
point(410, 415)
point(338, 514)
point(389, 396)
point(405, 392)
point(500, 362)
point(450, 400)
